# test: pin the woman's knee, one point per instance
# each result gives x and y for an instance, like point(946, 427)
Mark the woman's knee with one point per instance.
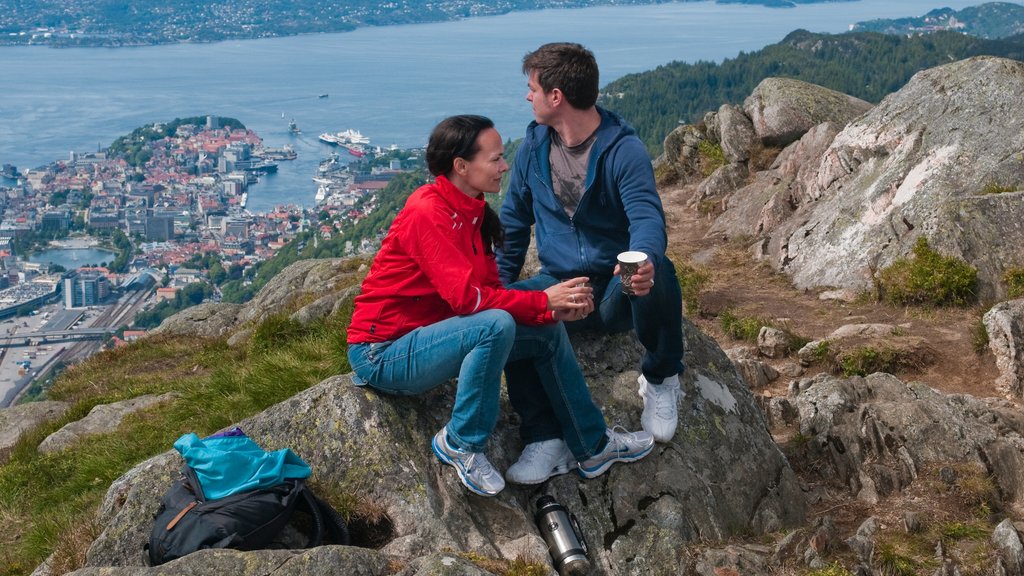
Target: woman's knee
point(499, 324)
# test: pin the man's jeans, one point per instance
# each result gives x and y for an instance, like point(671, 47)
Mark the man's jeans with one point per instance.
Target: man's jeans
point(548, 391)
point(657, 317)
point(471, 348)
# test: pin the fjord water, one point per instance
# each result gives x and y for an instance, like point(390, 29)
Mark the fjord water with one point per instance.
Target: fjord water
point(392, 83)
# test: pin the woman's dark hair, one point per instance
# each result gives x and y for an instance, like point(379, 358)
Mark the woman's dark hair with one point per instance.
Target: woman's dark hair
point(456, 137)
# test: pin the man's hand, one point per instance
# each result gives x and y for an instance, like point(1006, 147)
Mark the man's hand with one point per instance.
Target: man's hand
point(643, 280)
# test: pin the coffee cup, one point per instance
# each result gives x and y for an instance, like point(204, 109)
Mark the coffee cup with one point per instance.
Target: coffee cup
point(629, 262)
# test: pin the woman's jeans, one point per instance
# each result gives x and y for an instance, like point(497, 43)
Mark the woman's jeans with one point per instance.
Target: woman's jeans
point(471, 348)
point(554, 403)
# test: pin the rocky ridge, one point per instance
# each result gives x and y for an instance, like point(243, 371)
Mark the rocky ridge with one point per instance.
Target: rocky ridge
point(858, 453)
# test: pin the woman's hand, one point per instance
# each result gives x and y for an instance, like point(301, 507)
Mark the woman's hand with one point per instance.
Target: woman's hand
point(571, 300)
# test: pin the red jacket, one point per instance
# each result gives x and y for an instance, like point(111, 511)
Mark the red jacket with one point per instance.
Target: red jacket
point(432, 266)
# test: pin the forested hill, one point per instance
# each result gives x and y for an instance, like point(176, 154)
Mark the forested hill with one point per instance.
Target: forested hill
point(867, 65)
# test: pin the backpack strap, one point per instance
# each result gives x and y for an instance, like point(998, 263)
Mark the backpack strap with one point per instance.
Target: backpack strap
point(325, 519)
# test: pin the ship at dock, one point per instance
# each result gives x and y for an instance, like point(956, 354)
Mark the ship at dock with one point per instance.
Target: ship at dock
point(351, 140)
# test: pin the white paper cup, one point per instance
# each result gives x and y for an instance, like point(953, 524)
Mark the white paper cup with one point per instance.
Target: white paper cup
point(629, 262)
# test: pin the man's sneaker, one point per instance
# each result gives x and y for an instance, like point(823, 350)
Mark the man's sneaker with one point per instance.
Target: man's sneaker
point(474, 470)
point(622, 446)
point(540, 461)
point(661, 412)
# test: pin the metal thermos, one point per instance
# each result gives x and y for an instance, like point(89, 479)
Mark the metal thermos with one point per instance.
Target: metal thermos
point(562, 533)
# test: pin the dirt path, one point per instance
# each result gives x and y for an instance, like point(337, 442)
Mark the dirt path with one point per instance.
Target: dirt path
point(751, 289)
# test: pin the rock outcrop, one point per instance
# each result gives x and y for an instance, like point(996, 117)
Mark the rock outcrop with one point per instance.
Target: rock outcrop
point(873, 436)
point(1005, 326)
point(917, 164)
point(783, 109)
point(17, 420)
point(855, 186)
point(722, 473)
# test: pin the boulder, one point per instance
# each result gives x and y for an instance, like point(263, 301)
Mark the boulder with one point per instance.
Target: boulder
point(17, 420)
point(101, 419)
point(917, 165)
point(1004, 323)
point(721, 183)
point(375, 450)
point(207, 320)
point(874, 436)
point(783, 109)
point(1007, 543)
point(772, 342)
point(736, 133)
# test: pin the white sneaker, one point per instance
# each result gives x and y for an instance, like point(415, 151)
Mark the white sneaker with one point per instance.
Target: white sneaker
point(540, 461)
point(623, 446)
point(661, 412)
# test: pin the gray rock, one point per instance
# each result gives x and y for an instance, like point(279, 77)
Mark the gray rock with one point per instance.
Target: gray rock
point(915, 165)
point(322, 561)
point(772, 342)
point(17, 420)
point(1007, 543)
point(1005, 326)
point(721, 183)
point(872, 435)
point(353, 438)
point(757, 374)
point(207, 320)
point(101, 419)
point(736, 133)
point(783, 109)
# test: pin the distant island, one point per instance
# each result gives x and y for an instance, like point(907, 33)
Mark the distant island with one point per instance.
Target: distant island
point(990, 20)
point(113, 23)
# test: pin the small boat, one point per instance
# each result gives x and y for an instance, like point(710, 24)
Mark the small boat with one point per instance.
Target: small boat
point(323, 95)
point(293, 128)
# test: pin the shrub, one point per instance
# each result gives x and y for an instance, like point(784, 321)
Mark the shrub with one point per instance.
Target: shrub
point(892, 561)
point(1014, 279)
point(711, 157)
point(741, 327)
point(928, 279)
point(868, 360)
point(979, 336)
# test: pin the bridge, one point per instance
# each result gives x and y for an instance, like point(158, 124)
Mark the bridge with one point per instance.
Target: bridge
point(36, 338)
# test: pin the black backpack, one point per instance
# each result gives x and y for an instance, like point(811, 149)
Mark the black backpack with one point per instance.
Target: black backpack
point(249, 520)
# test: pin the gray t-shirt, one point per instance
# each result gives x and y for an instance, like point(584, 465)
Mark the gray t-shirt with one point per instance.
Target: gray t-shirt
point(569, 170)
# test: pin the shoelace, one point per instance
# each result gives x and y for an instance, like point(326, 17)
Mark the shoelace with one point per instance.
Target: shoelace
point(485, 465)
point(664, 399)
point(619, 438)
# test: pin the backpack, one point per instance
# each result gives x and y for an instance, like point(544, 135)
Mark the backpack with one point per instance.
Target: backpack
point(252, 519)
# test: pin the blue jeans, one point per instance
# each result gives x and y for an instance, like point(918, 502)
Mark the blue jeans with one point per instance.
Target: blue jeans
point(471, 348)
point(548, 391)
point(657, 317)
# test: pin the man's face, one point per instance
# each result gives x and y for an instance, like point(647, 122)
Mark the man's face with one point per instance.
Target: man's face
point(541, 101)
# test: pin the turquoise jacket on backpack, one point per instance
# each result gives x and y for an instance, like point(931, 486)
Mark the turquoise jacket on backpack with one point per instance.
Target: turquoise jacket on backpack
point(620, 209)
point(229, 464)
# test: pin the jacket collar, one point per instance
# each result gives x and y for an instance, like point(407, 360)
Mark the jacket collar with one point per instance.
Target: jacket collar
point(467, 207)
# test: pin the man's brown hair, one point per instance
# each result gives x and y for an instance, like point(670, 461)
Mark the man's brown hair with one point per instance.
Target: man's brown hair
point(567, 66)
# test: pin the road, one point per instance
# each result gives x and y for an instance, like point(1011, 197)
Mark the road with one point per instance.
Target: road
point(15, 378)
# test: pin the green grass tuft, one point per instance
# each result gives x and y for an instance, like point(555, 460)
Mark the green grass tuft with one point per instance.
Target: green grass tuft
point(928, 279)
point(1014, 279)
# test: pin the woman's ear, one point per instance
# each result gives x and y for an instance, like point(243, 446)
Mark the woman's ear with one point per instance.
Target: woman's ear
point(459, 164)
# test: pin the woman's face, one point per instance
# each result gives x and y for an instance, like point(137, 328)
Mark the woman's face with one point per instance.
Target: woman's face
point(483, 173)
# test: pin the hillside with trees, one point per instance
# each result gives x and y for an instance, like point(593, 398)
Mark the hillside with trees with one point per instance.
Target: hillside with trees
point(867, 65)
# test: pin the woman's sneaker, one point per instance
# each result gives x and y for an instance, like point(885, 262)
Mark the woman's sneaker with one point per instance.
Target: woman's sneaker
point(540, 461)
point(474, 470)
point(622, 446)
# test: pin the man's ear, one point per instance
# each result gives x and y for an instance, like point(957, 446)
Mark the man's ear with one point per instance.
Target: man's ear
point(557, 97)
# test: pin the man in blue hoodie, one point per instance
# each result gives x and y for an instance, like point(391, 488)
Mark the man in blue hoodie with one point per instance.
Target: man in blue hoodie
point(584, 180)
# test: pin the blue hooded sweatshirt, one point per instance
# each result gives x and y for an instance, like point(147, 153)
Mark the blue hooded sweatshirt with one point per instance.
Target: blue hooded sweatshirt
point(620, 209)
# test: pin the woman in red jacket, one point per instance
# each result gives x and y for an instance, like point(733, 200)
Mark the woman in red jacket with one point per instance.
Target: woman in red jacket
point(432, 309)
